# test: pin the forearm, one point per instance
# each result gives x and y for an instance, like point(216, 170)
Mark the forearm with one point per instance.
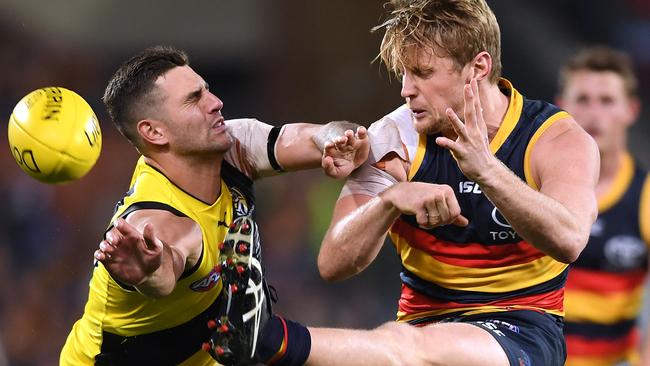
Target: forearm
point(301, 145)
point(353, 242)
point(330, 131)
point(537, 218)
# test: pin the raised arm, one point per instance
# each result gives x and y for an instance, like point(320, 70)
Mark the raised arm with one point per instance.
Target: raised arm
point(361, 220)
point(356, 233)
point(261, 150)
point(564, 164)
point(338, 147)
point(150, 250)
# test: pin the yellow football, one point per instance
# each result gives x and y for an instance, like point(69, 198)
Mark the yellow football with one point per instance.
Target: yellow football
point(54, 135)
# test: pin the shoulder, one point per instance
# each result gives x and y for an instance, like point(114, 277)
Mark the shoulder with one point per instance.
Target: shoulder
point(564, 146)
point(241, 128)
point(392, 133)
point(248, 152)
point(562, 126)
point(644, 210)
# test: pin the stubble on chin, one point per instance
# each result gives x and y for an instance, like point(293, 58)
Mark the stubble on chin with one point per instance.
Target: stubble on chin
point(426, 127)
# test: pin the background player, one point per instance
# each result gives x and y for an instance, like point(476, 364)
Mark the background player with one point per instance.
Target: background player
point(605, 285)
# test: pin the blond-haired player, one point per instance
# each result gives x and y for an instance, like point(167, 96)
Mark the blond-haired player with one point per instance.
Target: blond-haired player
point(487, 197)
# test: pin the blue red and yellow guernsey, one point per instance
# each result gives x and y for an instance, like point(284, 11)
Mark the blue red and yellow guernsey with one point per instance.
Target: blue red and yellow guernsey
point(605, 285)
point(486, 266)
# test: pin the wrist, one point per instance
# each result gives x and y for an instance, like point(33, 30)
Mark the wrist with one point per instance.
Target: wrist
point(387, 199)
point(490, 173)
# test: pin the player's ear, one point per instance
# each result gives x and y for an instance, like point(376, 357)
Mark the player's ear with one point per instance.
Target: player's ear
point(152, 131)
point(481, 65)
point(634, 109)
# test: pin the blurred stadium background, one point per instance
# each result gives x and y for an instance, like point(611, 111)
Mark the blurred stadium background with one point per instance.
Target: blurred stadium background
point(278, 61)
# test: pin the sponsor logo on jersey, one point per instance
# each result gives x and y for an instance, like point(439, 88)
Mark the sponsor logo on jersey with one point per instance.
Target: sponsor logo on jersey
point(625, 252)
point(507, 233)
point(598, 227)
point(206, 283)
point(239, 203)
point(469, 187)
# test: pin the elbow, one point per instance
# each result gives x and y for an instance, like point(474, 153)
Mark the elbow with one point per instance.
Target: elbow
point(329, 271)
point(334, 265)
point(567, 257)
point(571, 249)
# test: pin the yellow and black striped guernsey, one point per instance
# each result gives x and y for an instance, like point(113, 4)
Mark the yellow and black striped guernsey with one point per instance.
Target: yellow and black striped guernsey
point(119, 322)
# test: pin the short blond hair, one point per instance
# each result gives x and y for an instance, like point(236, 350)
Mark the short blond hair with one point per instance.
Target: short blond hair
point(460, 29)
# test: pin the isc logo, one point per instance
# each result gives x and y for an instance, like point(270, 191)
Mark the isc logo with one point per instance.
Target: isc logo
point(469, 187)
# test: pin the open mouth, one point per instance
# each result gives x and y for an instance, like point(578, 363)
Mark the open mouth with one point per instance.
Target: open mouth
point(218, 123)
point(418, 113)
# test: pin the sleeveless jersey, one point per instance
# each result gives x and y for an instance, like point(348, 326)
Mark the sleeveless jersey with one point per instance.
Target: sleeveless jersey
point(122, 326)
point(484, 267)
point(605, 285)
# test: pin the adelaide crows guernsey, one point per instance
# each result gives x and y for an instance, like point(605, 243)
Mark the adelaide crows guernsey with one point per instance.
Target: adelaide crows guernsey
point(605, 285)
point(485, 267)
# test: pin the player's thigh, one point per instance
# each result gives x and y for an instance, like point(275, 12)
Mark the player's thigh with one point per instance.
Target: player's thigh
point(460, 344)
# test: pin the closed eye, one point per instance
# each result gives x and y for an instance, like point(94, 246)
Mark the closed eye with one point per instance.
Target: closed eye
point(422, 73)
point(193, 96)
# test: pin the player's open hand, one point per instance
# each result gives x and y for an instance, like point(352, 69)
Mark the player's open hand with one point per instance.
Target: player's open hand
point(472, 147)
point(129, 255)
point(345, 153)
point(432, 204)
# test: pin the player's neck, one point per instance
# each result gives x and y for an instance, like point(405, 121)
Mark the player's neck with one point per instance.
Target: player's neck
point(495, 105)
point(611, 163)
point(199, 177)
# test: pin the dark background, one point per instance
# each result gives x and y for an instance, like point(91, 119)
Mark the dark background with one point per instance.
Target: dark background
point(279, 61)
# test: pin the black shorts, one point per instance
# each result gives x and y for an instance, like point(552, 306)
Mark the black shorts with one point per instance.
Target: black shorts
point(529, 338)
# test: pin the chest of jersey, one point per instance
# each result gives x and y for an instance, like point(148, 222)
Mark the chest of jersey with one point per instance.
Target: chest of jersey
point(510, 145)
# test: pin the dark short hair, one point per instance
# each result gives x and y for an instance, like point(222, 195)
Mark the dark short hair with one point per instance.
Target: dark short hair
point(601, 59)
point(130, 92)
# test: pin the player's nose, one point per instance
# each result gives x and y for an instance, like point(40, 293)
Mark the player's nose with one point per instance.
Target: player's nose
point(408, 87)
point(214, 103)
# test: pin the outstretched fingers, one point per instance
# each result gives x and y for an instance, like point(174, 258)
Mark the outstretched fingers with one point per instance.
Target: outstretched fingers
point(348, 142)
point(327, 163)
point(459, 128)
point(150, 239)
point(126, 230)
point(362, 133)
point(479, 121)
point(108, 246)
point(470, 105)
